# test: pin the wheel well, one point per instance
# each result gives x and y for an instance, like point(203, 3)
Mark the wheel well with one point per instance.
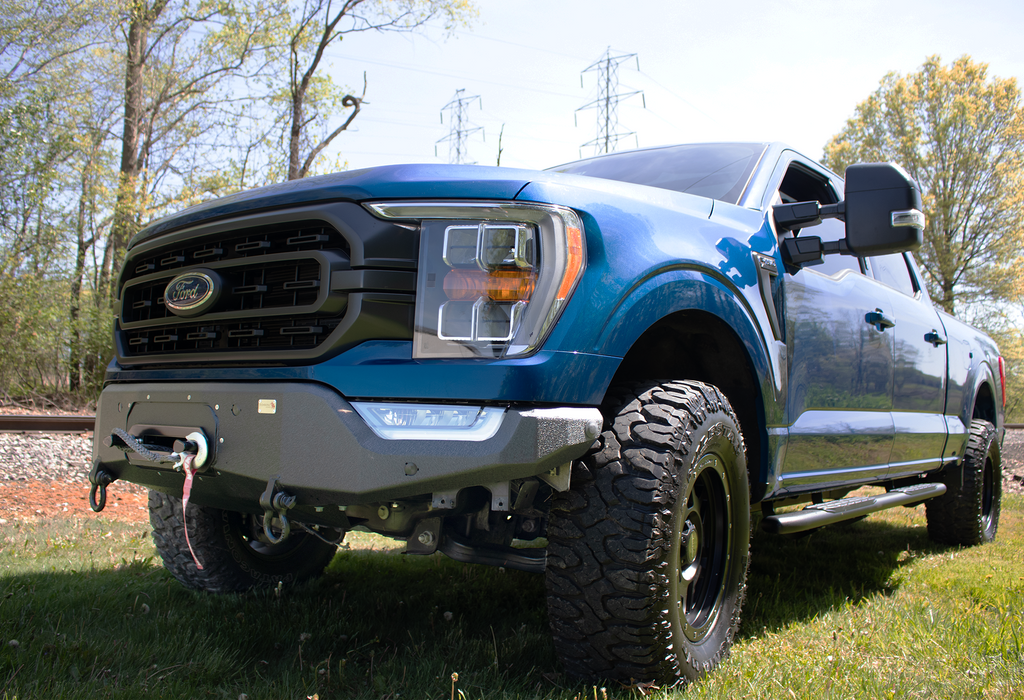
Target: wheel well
point(696, 345)
point(985, 404)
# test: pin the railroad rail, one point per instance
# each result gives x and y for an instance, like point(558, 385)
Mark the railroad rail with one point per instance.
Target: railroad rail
point(47, 424)
point(83, 424)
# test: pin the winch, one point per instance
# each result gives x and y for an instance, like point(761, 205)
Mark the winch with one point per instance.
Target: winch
point(188, 456)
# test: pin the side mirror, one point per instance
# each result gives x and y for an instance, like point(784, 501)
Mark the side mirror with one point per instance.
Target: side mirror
point(882, 210)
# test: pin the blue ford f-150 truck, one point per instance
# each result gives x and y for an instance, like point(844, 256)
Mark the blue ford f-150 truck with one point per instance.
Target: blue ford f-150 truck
point(617, 365)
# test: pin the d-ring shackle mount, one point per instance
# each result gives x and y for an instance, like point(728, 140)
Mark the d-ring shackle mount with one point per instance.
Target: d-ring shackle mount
point(275, 504)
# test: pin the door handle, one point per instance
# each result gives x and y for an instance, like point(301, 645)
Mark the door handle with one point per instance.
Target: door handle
point(879, 320)
point(935, 338)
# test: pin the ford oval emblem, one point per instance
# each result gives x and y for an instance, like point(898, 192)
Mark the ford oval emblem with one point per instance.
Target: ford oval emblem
point(192, 293)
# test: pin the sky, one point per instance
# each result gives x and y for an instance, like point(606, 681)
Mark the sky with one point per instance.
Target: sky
point(752, 70)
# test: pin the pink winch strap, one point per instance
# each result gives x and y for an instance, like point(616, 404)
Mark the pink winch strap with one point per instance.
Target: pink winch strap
point(190, 473)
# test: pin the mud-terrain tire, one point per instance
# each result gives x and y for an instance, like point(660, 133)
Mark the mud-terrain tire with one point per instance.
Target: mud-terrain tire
point(648, 550)
point(232, 558)
point(968, 513)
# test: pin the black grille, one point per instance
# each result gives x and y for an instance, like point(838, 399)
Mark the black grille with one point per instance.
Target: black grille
point(240, 245)
point(250, 284)
point(275, 301)
point(201, 336)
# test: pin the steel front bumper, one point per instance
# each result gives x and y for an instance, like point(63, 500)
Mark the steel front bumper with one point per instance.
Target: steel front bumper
point(318, 446)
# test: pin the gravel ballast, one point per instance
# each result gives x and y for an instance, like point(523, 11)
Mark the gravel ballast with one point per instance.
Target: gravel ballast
point(46, 456)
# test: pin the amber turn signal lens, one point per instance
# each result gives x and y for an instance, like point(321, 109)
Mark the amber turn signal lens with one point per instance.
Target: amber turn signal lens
point(499, 285)
point(574, 241)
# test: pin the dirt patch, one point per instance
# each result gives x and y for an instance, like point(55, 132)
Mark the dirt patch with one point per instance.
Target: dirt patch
point(40, 500)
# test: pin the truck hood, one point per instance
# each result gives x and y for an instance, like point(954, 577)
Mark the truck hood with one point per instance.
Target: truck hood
point(386, 182)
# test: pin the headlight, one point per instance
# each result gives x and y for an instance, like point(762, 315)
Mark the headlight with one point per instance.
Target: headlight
point(492, 277)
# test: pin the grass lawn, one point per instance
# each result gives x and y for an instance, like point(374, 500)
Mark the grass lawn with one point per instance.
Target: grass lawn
point(871, 609)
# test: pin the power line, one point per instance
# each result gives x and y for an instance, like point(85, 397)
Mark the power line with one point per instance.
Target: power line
point(543, 49)
point(607, 102)
point(676, 95)
point(446, 74)
point(460, 127)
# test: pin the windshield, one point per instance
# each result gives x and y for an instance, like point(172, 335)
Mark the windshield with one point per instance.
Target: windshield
point(716, 170)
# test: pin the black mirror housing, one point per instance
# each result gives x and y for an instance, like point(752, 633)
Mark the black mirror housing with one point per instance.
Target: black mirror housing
point(797, 215)
point(883, 210)
point(805, 250)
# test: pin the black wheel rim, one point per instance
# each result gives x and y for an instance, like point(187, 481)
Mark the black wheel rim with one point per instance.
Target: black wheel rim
point(987, 493)
point(701, 553)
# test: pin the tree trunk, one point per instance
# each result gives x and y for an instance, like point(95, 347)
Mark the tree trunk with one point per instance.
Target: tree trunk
point(76, 351)
point(295, 136)
point(126, 208)
point(76, 359)
point(947, 302)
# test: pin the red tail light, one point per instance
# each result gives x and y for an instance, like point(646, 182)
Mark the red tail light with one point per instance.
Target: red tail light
point(1002, 379)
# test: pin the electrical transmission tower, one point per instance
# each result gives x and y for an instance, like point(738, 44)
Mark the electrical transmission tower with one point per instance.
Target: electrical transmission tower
point(607, 102)
point(460, 128)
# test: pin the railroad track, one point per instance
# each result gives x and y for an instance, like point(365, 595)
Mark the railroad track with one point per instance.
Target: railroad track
point(82, 424)
point(46, 424)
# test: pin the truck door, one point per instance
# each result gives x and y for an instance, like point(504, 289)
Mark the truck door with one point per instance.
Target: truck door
point(840, 429)
point(919, 380)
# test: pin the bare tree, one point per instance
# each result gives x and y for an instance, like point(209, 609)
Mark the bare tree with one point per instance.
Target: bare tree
point(311, 101)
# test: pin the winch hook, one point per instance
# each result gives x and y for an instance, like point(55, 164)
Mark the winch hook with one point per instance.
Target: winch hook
point(275, 504)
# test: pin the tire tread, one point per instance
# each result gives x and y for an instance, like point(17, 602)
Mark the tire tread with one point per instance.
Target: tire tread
point(225, 568)
point(956, 517)
point(606, 601)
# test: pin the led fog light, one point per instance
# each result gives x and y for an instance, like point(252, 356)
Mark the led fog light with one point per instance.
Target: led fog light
point(416, 421)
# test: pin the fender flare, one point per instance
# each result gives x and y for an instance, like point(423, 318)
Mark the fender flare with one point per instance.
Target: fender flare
point(688, 289)
point(669, 290)
point(979, 376)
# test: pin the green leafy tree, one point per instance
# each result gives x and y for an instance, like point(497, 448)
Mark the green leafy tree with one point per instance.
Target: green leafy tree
point(114, 112)
point(1011, 344)
point(37, 38)
point(90, 187)
point(42, 48)
point(179, 59)
point(960, 134)
point(38, 42)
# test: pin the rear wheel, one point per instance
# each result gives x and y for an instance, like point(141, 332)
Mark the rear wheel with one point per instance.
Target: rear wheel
point(968, 513)
point(647, 553)
point(229, 547)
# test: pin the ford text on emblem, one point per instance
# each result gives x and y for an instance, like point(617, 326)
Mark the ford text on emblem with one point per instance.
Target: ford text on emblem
point(192, 293)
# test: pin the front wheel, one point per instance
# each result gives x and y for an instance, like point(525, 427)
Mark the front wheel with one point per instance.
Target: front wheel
point(648, 551)
point(968, 513)
point(229, 547)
